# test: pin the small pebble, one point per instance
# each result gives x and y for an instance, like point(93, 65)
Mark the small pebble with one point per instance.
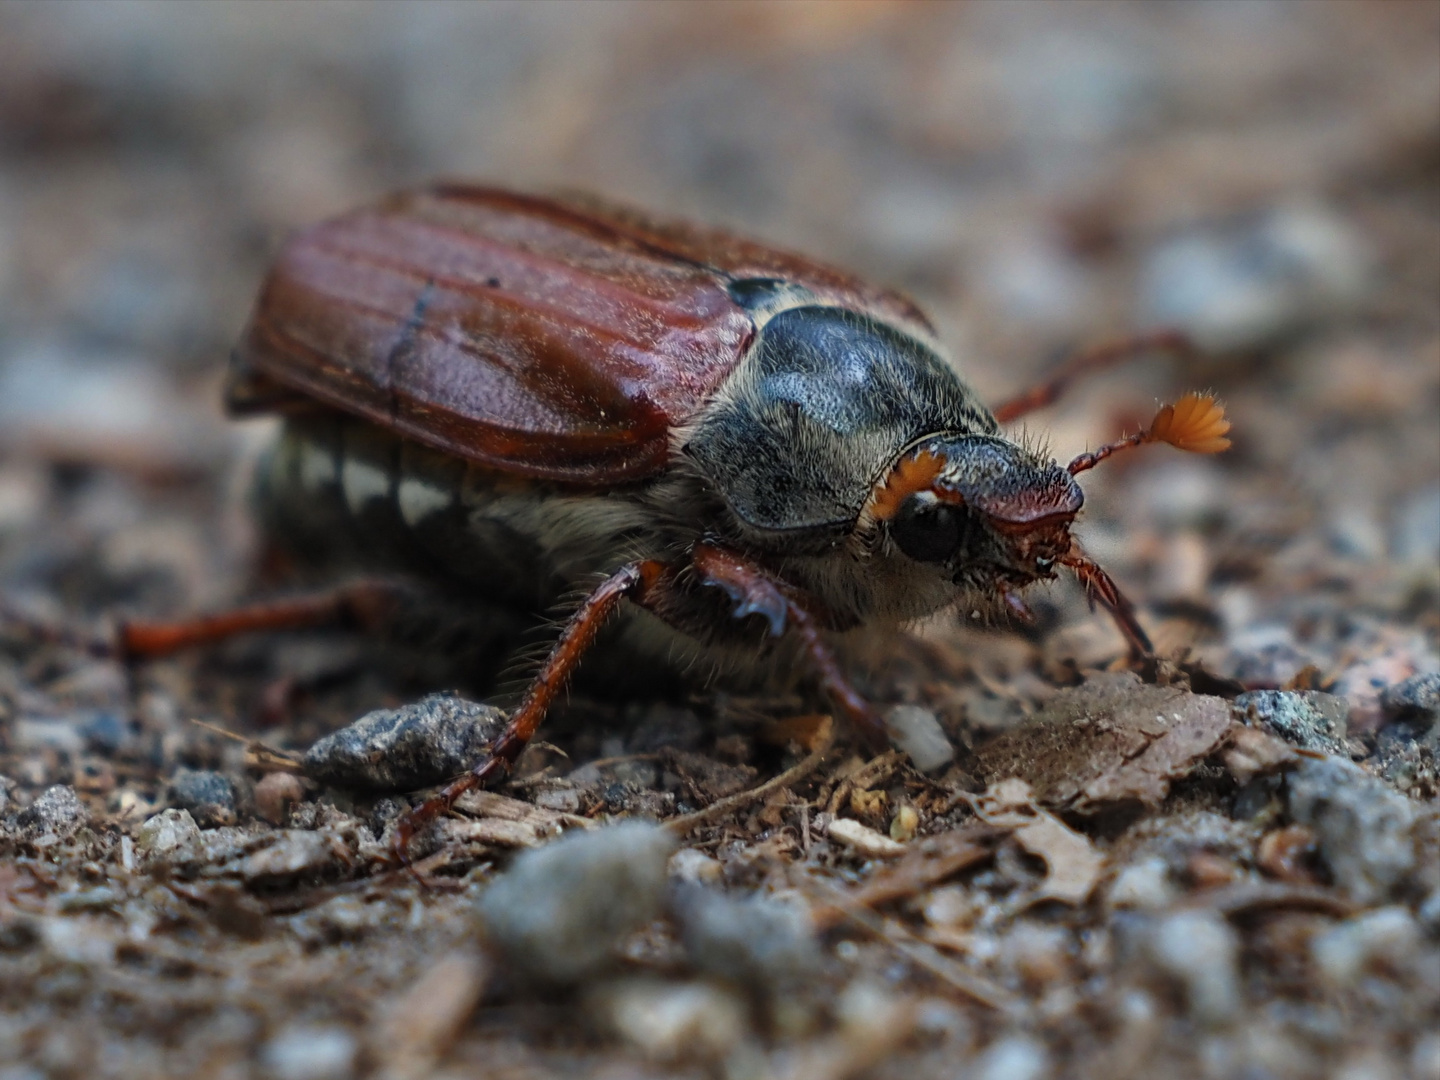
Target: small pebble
point(1013, 1057)
point(560, 911)
point(1199, 950)
point(756, 941)
point(904, 824)
point(54, 817)
point(669, 1021)
point(310, 1053)
point(1415, 531)
point(1425, 1058)
point(209, 796)
point(169, 833)
point(1388, 935)
point(1364, 830)
point(1304, 718)
point(1144, 885)
point(916, 732)
point(413, 746)
point(275, 794)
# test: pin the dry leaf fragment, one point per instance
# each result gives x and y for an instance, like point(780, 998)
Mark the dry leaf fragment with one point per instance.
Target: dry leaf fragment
point(1072, 865)
point(414, 1030)
point(1113, 740)
point(1252, 752)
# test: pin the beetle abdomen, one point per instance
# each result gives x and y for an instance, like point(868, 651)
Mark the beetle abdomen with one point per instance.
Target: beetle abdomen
point(338, 488)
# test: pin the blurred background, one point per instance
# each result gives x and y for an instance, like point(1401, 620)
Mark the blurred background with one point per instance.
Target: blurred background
point(1042, 176)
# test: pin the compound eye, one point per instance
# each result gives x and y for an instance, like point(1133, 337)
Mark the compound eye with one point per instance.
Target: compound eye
point(928, 530)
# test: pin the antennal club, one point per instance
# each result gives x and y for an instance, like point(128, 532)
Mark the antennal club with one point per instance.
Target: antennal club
point(1196, 423)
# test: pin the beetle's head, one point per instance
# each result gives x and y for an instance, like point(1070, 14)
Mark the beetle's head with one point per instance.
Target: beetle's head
point(984, 509)
point(995, 517)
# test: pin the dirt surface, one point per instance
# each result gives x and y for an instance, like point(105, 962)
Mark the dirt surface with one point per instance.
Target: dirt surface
point(1222, 864)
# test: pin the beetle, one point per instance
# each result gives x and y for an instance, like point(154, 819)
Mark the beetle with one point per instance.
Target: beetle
point(517, 394)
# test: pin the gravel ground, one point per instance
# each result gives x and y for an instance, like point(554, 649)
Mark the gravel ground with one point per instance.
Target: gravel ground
point(1224, 864)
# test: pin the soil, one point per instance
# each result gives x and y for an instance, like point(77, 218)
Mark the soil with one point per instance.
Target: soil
point(1224, 862)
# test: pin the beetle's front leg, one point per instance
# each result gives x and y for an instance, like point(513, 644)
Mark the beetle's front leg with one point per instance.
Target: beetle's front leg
point(648, 584)
point(756, 593)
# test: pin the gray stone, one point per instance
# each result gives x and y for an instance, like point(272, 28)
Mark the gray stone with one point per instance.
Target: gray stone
point(171, 835)
point(209, 796)
point(1416, 700)
point(1364, 829)
point(413, 746)
point(54, 817)
point(1247, 283)
point(560, 911)
point(755, 941)
point(1304, 718)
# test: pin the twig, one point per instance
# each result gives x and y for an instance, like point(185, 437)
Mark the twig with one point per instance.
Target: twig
point(257, 753)
point(919, 952)
point(718, 809)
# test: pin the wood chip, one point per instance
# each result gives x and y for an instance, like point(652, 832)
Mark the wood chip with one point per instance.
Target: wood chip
point(505, 822)
point(864, 840)
point(924, 864)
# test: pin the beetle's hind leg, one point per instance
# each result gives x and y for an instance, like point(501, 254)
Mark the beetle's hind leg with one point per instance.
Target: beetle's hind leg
point(367, 604)
point(1088, 363)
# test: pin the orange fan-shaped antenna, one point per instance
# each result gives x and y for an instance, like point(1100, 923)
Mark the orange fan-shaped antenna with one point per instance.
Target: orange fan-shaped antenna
point(1196, 423)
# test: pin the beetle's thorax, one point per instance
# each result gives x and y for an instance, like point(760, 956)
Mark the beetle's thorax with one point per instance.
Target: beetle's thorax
point(825, 399)
point(819, 410)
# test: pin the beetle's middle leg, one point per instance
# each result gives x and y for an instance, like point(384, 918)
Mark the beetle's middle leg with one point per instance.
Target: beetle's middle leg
point(1089, 362)
point(638, 582)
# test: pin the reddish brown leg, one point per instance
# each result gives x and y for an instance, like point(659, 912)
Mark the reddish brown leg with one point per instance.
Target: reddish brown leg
point(634, 581)
point(755, 592)
point(365, 603)
point(1101, 586)
point(1089, 362)
point(646, 584)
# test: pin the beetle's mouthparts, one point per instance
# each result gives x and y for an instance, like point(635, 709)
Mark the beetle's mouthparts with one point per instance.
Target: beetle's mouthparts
point(1196, 423)
point(1101, 586)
